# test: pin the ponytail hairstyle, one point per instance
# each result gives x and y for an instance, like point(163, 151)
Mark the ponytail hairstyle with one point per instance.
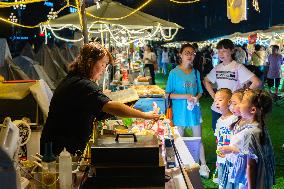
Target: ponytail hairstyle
point(89, 55)
point(262, 101)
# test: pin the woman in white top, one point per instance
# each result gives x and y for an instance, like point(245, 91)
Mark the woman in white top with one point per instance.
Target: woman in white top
point(150, 59)
point(165, 60)
point(228, 74)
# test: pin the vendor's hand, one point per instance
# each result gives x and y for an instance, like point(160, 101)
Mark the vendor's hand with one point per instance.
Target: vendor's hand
point(107, 91)
point(152, 115)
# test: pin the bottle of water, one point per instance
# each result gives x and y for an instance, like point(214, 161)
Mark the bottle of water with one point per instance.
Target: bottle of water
point(65, 170)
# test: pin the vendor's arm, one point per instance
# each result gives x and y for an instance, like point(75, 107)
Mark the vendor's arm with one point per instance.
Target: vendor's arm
point(250, 172)
point(121, 110)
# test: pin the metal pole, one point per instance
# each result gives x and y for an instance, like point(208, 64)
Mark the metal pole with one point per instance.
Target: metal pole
point(84, 21)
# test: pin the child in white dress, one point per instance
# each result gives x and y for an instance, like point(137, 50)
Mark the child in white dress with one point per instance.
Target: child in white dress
point(250, 157)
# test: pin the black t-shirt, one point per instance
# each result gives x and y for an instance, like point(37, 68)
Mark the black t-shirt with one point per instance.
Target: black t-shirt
point(75, 104)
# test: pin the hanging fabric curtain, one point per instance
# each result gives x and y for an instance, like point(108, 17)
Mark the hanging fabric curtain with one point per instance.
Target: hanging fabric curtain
point(237, 10)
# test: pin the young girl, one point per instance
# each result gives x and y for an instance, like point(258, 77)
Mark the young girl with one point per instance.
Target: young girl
point(250, 158)
point(184, 88)
point(236, 99)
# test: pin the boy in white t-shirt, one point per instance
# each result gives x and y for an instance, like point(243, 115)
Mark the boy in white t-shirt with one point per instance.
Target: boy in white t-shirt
point(228, 74)
point(222, 131)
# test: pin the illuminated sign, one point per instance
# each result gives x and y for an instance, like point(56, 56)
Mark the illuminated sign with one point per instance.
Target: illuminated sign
point(19, 38)
point(72, 9)
point(49, 4)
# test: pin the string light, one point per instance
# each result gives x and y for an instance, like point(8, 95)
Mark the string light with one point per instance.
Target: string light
point(70, 26)
point(184, 2)
point(256, 5)
point(78, 6)
point(131, 35)
point(37, 25)
point(11, 4)
point(52, 14)
point(170, 36)
point(20, 6)
point(61, 38)
point(263, 38)
point(20, 25)
point(13, 18)
point(119, 33)
point(125, 30)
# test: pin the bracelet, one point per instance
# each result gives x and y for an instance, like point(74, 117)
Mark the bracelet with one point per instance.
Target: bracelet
point(218, 152)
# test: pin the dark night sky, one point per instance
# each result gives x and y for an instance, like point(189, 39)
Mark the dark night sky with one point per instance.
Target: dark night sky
point(190, 16)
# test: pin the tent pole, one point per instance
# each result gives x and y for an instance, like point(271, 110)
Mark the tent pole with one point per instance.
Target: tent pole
point(84, 21)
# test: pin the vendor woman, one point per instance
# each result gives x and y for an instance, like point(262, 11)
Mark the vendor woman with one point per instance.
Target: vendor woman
point(78, 101)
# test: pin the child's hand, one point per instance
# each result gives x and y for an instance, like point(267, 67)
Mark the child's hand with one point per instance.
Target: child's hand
point(220, 154)
point(190, 98)
point(194, 100)
point(227, 149)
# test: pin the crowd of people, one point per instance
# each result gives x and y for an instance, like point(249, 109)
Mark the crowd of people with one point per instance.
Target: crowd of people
point(264, 62)
point(240, 104)
point(244, 149)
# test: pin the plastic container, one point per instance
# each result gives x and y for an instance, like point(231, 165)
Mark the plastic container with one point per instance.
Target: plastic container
point(170, 154)
point(9, 137)
point(193, 145)
point(145, 104)
point(65, 170)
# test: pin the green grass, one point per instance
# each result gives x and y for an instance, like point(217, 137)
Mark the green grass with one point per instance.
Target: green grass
point(275, 126)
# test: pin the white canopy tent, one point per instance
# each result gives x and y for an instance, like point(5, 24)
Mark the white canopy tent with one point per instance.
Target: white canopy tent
point(117, 22)
point(8, 69)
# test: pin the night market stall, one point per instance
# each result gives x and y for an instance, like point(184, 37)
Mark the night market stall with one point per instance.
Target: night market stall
point(154, 133)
